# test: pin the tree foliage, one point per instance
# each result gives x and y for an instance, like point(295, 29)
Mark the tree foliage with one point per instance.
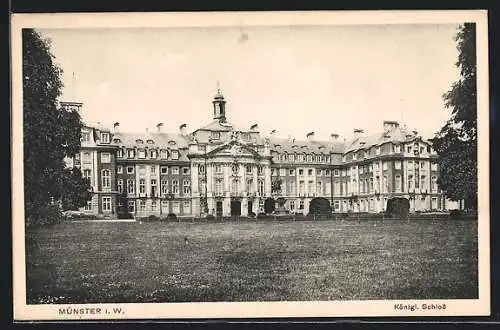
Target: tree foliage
point(456, 142)
point(320, 207)
point(51, 133)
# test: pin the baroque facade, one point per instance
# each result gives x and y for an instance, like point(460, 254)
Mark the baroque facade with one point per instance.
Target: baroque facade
point(225, 170)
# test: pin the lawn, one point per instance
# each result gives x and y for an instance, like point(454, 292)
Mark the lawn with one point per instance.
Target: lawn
point(252, 261)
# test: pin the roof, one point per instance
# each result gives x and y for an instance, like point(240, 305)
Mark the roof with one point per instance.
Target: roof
point(291, 146)
point(217, 125)
point(159, 139)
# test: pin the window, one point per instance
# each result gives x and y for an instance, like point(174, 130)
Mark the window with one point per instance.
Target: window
point(201, 169)
point(384, 166)
point(218, 169)
point(87, 174)
point(371, 185)
point(215, 135)
point(119, 185)
point(310, 187)
point(164, 187)
point(106, 203)
point(88, 206)
point(187, 188)
point(260, 170)
point(175, 154)
point(105, 137)
point(292, 205)
point(85, 136)
point(175, 186)
point(163, 154)
point(377, 166)
point(319, 188)
point(249, 169)
point(142, 170)
point(397, 148)
point(397, 183)
point(434, 186)
point(336, 172)
point(142, 205)
point(235, 185)
point(385, 187)
point(130, 153)
point(310, 171)
point(301, 187)
point(153, 154)
point(354, 156)
point(218, 186)
point(250, 186)
point(434, 166)
point(377, 151)
point(301, 205)
point(423, 183)
point(422, 165)
point(176, 207)
point(301, 172)
point(261, 187)
point(283, 171)
point(154, 190)
point(105, 157)
point(119, 153)
point(130, 170)
point(142, 153)
point(139, 141)
point(408, 149)
point(117, 140)
point(186, 207)
point(142, 186)
point(397, 165)
point(185, 170)
point(131, 186)
point(361, 168)
point(154, 205)
point(354, 186)
point(119, 169)
point(336, 188)
point(131, 206)
point(319, 172)
point(153, 169)
point(106, 178)
point(175, 170)
point(164, 170)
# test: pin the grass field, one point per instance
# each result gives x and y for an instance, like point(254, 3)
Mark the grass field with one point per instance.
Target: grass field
point(252, 261)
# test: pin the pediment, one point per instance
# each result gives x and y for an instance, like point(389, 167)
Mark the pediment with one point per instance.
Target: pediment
point(234, 149)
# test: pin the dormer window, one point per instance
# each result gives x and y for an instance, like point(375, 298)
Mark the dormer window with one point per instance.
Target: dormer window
point(377, 150)
point(117, 140)
point(85, 136)
point(397, 148)
point(139, 141)
point(130, 153)
point(153, 154)
point(119, 153)
point(164, 154)
point(104, 137)
point(150, 142)
point(171, 143)
point(142, 153)
point(215, 135)
point(175, 154)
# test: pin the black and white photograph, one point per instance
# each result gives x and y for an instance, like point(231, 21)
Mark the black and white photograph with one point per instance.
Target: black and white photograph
point(219, 165)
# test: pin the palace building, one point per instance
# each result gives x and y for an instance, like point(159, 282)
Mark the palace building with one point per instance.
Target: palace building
point(225, 170)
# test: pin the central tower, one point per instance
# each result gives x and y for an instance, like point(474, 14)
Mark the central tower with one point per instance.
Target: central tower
point(219, 105)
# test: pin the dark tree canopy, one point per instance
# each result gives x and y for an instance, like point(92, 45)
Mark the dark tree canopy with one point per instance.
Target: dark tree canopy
point(51, 133)
point(320, 207)
point(398, 208)
point(456, 142)
point(269, 205)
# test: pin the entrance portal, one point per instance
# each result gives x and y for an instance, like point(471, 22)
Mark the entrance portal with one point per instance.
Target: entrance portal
point(235, 208)
point(218, 209)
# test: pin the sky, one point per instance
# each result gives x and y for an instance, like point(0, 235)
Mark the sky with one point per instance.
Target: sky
point(292, 79)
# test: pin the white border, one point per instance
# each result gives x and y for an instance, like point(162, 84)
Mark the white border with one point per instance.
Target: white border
point(466, 307)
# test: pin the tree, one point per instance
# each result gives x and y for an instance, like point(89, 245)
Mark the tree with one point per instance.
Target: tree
point(456, 142)
point(269, 205)
point(51, 134)
point(320, 207)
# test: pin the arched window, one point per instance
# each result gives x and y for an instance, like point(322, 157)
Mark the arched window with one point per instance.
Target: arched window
point(235, 168)
point(261, 187)
point(201, 168)
point(106, 178)
point(411, 183)
point(397, 183)
point(354, 186)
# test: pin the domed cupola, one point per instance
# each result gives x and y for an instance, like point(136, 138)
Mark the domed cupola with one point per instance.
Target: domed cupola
point(219, 105)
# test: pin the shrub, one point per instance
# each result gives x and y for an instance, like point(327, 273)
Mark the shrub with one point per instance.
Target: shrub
point(269, 205)
point(398, 207)
point(45, 215)
point(456, 214)
point(125, 216)
point(210, 217)
point(251, 215)
point(320, 208)
point(171, 217)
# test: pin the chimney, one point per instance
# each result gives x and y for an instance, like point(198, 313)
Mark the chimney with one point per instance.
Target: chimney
point(334, 137)
point(158, 127)
point(310, 136)
point(116, 127)
point(182, 129)
point(273, 132)
point(390, 125)
point(254, 127)
point(289, 138)
point(358, 133)
point(415, 132)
